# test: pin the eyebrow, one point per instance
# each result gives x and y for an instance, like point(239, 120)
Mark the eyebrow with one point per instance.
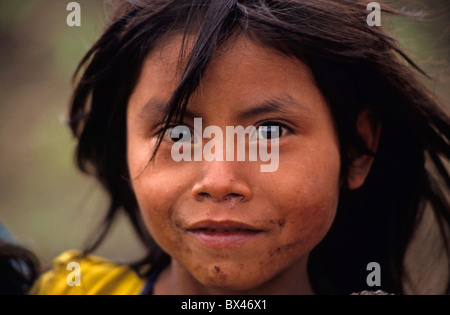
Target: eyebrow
point(283, 104)
point(156, 108)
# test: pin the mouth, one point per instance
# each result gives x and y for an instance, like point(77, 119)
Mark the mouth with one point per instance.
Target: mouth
point(223, 233)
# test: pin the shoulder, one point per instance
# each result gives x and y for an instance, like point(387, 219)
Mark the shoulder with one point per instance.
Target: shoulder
point(73, 273)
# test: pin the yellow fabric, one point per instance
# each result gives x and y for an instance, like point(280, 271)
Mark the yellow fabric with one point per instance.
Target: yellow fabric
point(98, 277)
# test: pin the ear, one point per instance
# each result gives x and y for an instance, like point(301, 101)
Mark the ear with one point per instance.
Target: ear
point(369, 129)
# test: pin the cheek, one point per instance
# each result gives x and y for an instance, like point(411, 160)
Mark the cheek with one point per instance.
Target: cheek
point(154, 208)
point(310, 222)
point(156, 191)
point(310, 195)
point(157, 198)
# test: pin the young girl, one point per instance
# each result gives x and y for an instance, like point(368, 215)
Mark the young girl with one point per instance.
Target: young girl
point(361, 152)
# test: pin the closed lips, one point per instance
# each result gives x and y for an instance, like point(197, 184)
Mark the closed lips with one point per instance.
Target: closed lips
point(222, 234)
point(222, 226)
point(226, 230)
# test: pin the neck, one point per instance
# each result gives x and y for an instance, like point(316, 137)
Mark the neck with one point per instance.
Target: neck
point(176, 280)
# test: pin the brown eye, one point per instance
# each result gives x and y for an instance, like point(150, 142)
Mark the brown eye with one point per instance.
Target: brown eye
point(269, 131)
point(179, 134)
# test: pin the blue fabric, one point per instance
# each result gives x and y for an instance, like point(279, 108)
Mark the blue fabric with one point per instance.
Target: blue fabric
point(4, 234)
point(148, 288)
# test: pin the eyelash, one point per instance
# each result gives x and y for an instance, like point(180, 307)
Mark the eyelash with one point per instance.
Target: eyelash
point(282, 128)
point(167, 131)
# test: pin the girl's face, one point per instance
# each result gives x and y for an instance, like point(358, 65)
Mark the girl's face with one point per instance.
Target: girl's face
point(226, 224)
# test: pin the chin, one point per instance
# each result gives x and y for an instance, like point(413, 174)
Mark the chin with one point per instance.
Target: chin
point(229, 279)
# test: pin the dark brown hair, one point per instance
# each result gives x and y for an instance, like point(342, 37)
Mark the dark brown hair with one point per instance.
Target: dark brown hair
point(357, 67)
point(19, 268)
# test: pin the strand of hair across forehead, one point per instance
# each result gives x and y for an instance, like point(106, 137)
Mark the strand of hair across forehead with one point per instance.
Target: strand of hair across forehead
point(209, 35)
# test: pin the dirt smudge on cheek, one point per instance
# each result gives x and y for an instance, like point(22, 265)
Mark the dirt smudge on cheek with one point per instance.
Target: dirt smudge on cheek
point(285, 248)
point(177, 225)
point(279, 223)
point(179, 238)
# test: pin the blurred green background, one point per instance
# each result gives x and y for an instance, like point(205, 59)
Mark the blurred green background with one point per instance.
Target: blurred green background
point(46, 205)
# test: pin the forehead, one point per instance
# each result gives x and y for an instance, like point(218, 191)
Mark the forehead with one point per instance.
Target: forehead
point(241, 67)
point(241, 56)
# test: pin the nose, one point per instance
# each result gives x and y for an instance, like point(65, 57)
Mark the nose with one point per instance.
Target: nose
point(222, 182)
